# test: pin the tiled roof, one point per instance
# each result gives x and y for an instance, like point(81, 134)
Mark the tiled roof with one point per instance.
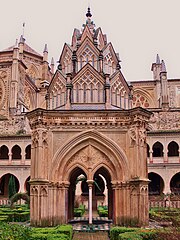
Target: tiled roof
point(27, 48)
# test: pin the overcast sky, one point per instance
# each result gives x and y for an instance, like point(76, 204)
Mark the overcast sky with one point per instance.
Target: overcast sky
point(138, 29)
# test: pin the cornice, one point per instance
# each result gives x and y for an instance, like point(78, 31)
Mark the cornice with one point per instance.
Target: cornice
point(41, 118)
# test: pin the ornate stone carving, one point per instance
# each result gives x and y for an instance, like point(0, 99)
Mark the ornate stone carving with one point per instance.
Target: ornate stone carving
point(137, 135)
point(90, 156)
point(165, 120)
point(14, 126)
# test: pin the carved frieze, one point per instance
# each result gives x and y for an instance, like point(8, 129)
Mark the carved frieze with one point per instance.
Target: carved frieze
point(14, 126)
point(165, 120)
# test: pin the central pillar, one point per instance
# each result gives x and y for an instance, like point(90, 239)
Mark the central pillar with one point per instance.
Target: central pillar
point(90, 185)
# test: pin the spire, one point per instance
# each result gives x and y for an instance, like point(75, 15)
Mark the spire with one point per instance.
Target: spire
point(163, 66)
point(52, 65)
point(45, 48)
point(158, 59)
point(88, 14)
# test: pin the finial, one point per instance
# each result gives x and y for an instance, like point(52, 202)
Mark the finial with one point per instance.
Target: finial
point(45, 48)
point(16, 44)
point(22, 39)
point(23, 29)
point(163, 66)
point(158, 59)
point(88, 14)
point(52, 61)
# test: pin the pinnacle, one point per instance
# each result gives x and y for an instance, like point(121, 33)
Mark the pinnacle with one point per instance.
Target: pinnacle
point(45, 48)
point(158, 59)
point(163, 66)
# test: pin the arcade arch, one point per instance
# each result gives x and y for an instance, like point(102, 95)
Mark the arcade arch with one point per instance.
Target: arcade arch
point(4, 152)
point(173, 149)
point(157, 149)
point(16, 152)
point(156, 185)
point(175, 184)
point(4, 181)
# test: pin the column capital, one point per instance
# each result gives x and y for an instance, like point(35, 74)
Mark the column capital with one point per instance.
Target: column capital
point(90, 183)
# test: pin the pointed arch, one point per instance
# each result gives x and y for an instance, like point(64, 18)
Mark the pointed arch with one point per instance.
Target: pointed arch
point(142, 98)
point(113, 157)
point(33, 72)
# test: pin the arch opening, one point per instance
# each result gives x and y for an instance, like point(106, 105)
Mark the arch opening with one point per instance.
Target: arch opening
point(157, 149)
point(27, 186)
point(4, 185)
point(103, 193)
point(16, 152)
point(75, 199)
point(175, 184)
point(4, 152)
point(173, 149)
point(28, 152)
point(156, 186)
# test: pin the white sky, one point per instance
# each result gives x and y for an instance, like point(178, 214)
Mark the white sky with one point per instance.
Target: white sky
point(138, 29)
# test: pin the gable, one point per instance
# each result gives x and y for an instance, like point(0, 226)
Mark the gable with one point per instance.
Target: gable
point(86, 33)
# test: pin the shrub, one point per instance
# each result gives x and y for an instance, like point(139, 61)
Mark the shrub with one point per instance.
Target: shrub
point(18, 196)
point(115, 231)
point(14, 232)
point(78, 212)
point(62, 232)
point(103, 211)
point(11, 186)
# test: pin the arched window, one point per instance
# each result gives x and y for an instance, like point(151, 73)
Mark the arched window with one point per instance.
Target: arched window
point(28, 152)
point(173, 149)
point(4, 152)
point(157, 149)
point(16, 152)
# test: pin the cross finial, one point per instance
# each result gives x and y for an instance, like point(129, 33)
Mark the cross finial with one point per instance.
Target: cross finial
point(23, 29)
point(88, 14)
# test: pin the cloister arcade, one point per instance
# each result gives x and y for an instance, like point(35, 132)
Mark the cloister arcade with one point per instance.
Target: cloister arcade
point(15, 160)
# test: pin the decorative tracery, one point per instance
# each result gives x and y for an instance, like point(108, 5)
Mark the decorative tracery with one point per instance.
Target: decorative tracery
point(88, 89)
point(140, 101)
point(109, 65)
point(119, 96)
point(58, 95)
point(87, 56)
point(67, 63)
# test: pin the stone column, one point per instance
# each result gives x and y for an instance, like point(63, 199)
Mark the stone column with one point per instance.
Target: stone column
point(90, 185)
point(10, 158)
point(150, 156)
point(165, 155)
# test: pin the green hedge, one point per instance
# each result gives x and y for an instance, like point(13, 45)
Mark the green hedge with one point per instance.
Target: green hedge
point(19, 232)
point(123, 233)
point(139, 235)
point(115, 231)
point(62, 232)
point(14, 215)
point(14, 232)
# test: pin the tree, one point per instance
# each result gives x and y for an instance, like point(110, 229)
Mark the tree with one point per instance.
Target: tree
point(11, 186)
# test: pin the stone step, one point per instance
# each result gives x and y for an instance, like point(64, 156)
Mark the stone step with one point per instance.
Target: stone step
point(90, 236)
